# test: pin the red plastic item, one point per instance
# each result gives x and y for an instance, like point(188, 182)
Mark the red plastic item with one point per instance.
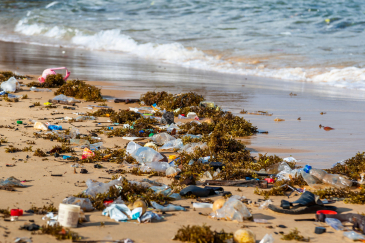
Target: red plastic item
point(326, 212)
point(107, 202)
point(16, 212)
point(269, 180)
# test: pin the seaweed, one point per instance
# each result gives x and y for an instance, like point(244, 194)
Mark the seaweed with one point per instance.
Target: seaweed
point(4, 76)
point(64, 148)
point(44, 210)
point(352, 168)
point(129, 192)
point(201, 234)
point(102, 113)
point(12, 149)
point(40, 153)
point(27, 149)
point(80, 90)
point(5, 212)
point(124, 116)
point(295, 235)
point(37, 104)
point(52, 81)
point(59, 232)
point(3, 140)
point(351, 197)
point(7, 99)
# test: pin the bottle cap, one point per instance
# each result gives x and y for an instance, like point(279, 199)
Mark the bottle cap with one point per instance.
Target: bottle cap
point(307, 168)
point(320, 230)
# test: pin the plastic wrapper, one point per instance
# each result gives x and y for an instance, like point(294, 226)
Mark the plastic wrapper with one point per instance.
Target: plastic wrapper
point(84, 203)
point(172, 171)
point(74, 132)
point(96, 146)
point(62, 97)
point(352, 235)
point(162, 138)
point(40, 126)
point(35, 89)
point(132, 146)
point(265, 204)
point(233, 209)
point(168, 208)
point(202, 205)
point(191, 115)
point(87, 153)
point(334, 223)
point(191, 147)
point(173, 144)
point(94, 187)
point(11, 181)
point(11, 85)
point(148, 217)
point(164, 190)
point(118, 212)
point(268, 238)
point(146, 155)
point(79, 142)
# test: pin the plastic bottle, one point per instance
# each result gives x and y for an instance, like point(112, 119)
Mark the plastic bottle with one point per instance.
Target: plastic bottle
point(202, 205)
point(54, 127)
point(321, 175)
point(34, 89)
point(334, 223)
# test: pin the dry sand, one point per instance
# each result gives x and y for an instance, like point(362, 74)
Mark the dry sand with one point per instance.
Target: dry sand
point(43, 189)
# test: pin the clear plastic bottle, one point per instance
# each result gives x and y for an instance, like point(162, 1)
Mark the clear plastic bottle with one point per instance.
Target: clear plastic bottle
point(321, 175)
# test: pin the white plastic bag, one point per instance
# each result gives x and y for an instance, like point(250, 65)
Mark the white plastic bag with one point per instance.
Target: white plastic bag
point(146, 155)
point(132, 146)
point(11, 85)
point(95, 187)
point(84, 203)
point(162, 138)
point(233, 209)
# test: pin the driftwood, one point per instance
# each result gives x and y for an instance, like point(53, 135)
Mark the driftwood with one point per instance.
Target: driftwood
point(127, 101)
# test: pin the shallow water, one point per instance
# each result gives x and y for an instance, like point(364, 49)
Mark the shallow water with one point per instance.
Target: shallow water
point(317, 41)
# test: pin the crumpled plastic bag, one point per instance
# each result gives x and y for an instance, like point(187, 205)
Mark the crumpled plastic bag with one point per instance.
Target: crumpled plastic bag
point(146, 155)
point(95, 187)
point(132, 146)
point(87, 153)
point(191, 147)
point(233, 209)
point(11, 181)
point(173, 144)
point(162, 138)
point(168, 208)
point(40, 126)
point(63, 97)
point(84, 203)
point(11, 85)
point(120, 212)
point(149, 216)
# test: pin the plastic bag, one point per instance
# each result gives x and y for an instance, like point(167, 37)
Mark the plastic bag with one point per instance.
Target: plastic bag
point(151, 145)
point(79, 142)
point(168, 208)
point(11, 85)
point(233, 209)
point(190, 147)
point(63, 97)
point(265, 204)
point(11, 181)
point(74, 132)
point(162, 138)
point(172, 171)
point(40, 126)
point(132, 146)
point(334, 223)
point(84, 203)
point(173, 144)
point(268, 238)
point(352, 235)
point(95, 187)
point(87, 153)
point(146, 155)
point(159, 166)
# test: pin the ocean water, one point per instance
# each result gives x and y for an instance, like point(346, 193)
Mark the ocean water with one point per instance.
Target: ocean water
point(320, 41)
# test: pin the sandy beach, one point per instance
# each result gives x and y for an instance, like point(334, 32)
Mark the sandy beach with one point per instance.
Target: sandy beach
point(302, 139)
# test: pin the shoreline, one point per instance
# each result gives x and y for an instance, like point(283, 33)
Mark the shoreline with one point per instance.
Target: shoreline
point(44, 189)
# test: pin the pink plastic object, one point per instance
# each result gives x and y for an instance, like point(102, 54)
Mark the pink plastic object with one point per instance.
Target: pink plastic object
point(49, 71)
point(269, 180)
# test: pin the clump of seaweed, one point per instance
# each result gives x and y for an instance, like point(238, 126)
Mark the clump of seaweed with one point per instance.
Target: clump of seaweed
point(102, 113)
point(201, 234)
point(64, 148)
point(7, 99)
point(80, 90)
point(171, 102)
point(3, 140)
point(189, 139)
point(5, 212)
point(52, 81)
point(295, 235)
point(12, 149)
point(7, 74)
point(44, 210)
point(351, 197)
point(352, 168)
point(130, 192)
point(40, 153)
point(37, 104)
point(124, 116)
point(59, 232)
point(27, 149)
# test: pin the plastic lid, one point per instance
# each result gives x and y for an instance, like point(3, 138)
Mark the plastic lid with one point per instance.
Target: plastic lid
point(326, 212)
point(307, 168)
